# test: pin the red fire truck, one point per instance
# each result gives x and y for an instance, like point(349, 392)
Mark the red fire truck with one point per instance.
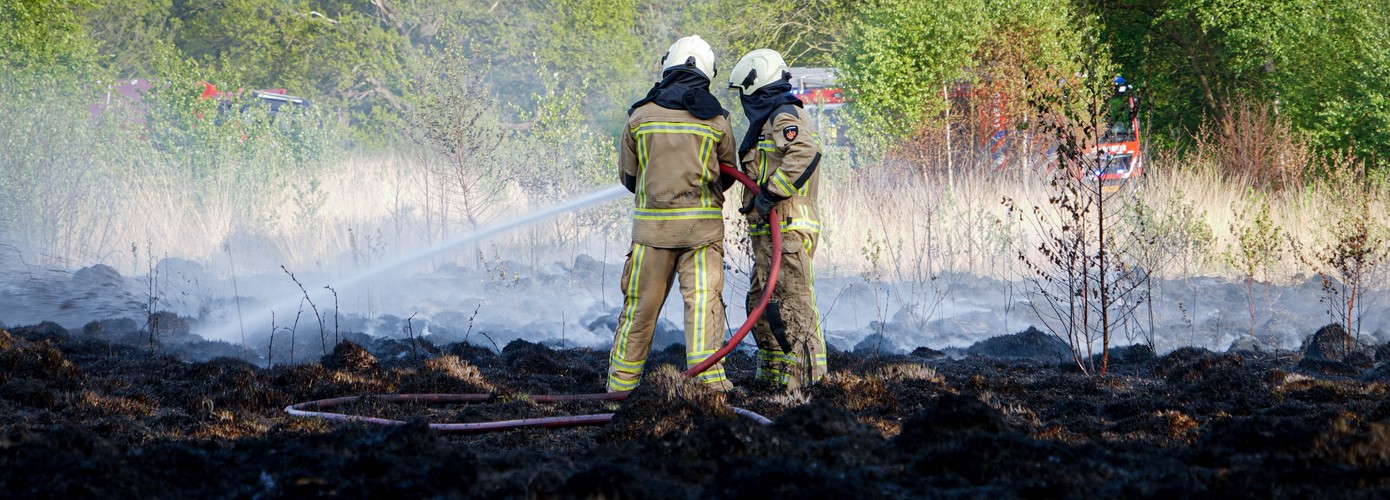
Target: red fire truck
point(1117, 156)
point(821, 96)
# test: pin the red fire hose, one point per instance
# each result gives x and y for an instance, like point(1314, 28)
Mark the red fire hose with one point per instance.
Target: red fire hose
point(311, 408)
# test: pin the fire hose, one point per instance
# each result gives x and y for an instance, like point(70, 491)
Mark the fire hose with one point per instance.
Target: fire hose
point(314, 408)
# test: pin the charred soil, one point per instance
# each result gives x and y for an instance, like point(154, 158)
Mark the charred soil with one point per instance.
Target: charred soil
point(86, 416)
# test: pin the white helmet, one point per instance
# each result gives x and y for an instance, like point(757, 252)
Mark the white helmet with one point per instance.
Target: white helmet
point(690, 51)
point(758, 69)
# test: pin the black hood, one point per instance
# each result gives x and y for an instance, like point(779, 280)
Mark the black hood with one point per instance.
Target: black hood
point(686, 89)
point(759, 107)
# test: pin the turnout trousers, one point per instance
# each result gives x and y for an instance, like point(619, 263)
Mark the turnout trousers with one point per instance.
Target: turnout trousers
point(647, 279)
point(791, 347)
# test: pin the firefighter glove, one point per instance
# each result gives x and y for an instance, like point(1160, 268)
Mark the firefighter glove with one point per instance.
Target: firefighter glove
point(763, 203)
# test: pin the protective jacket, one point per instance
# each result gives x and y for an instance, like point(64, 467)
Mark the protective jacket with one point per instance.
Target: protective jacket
point(675, 140)
point(784, 163)
point(670, 160)
point(791, 346)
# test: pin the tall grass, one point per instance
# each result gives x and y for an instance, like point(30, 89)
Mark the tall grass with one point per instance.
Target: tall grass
point(79, 190)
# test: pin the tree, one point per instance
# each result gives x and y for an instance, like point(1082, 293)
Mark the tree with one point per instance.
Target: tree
point(901, 51)
point(1335, 84)
point(900, 55)
point(130, 35)
point(318, 49)
point(43, 35)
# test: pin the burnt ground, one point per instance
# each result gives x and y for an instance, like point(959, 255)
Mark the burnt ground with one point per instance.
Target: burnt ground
point(86, 416)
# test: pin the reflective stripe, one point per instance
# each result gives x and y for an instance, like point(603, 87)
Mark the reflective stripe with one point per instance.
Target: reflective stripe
point(773, 375)
point(619, 385)
point(701, 295)
point(678, 213)
point(780, 180)
point(629, 316)
point(777, 357)
point(634, 366)
point(764, 147)
point(815, 310)
point(701, 130)
point(712, 376)
point(696, 357)
point(706, 146)
point(807, 225)
point(643, 158)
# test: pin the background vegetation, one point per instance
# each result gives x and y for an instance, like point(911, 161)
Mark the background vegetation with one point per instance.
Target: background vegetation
point(432, 117)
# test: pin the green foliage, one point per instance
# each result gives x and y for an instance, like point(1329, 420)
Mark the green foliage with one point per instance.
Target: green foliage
point(454, 123)
point(1259, 244)
point(560, 156)
point(1350, 256)
point(43, 34)
point(1258, 241)
point(807, 33)
point(67, 167)
point(902, 52)
point(1327, 63)
point(1336, 81)
point(129, 36)
point(901, 55)
point(317, 49)
point(48, 175)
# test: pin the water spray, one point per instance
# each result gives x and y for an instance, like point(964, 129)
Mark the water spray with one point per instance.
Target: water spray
point(600, 196)
point(313, 408)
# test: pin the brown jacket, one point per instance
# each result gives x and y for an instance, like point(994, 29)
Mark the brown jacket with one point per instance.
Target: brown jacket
point(670, 160)
point(785, 163)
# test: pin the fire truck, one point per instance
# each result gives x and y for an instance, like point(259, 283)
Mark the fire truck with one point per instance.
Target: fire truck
point(821, 96)
point(272, 99)
point(989, 131)
point(129, 95)
point(1117, 156)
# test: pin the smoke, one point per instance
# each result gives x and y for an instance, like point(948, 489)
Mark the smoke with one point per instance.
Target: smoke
point(574, 302)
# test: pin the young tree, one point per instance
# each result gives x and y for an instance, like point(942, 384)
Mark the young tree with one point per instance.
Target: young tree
point(1085, 284)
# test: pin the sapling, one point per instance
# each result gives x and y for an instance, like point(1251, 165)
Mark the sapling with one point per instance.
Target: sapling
point(410, 335)
point(323, 334)
point(295, 327)
point(270, 348)
point(1087, 289)
point(1258, 245)
point(1354, 249)
point(335, 314)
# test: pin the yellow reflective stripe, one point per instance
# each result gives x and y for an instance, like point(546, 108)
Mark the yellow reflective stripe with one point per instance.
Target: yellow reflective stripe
point(700, 297)
point(696, 357)
point(629, 316)
point(713, 375)
point(767, 145)
point(701, 130)
point(773, 375)
point(815, 309)
point(807, 225)
point(780, 179)
point(619, 385)
point(778, 357)
point(678, 213)
point(762, 168)
point(642, 159)
point(705, 149)
point(635, 366)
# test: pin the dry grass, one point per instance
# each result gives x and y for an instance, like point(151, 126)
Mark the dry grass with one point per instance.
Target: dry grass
point(378, 207)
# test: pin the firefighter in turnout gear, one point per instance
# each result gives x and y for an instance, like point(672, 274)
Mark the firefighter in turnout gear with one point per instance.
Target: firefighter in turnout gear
point(675, 139)
point(779, 151)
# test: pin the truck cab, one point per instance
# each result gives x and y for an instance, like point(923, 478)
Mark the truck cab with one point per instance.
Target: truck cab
point(1117, 156)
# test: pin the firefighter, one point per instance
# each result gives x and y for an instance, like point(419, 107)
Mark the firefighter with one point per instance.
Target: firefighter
point(675, 139)
point(779, 151)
